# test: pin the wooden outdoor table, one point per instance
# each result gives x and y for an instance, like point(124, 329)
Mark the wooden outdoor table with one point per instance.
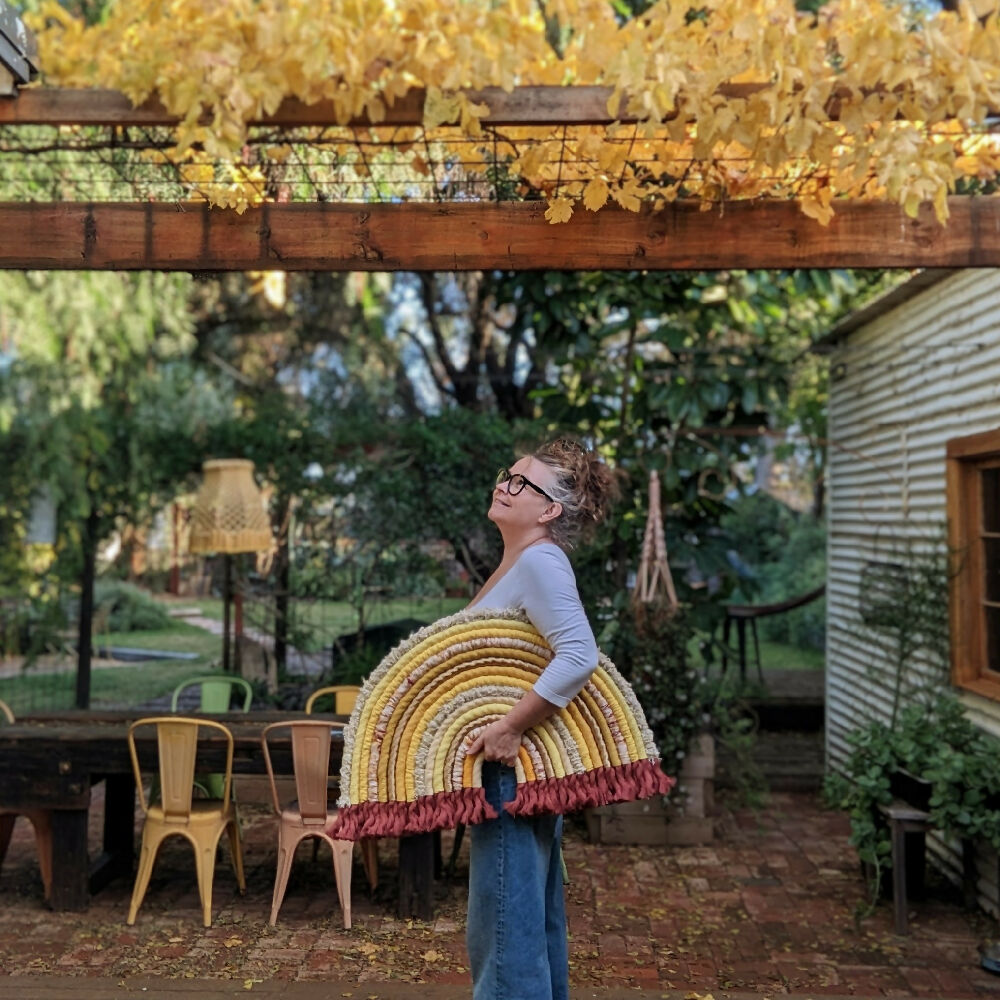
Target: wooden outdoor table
point(52, 760)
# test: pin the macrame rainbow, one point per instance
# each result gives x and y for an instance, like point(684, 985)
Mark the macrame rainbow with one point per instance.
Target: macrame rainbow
point(405, 769)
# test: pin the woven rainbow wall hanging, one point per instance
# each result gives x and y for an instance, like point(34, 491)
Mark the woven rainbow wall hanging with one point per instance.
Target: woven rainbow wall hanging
point(405, 769)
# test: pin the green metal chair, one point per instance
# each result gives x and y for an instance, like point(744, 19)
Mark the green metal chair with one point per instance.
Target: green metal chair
point(217, 692)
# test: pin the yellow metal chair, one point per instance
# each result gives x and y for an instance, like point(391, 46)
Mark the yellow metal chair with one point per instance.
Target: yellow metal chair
point(40, 819)
point(200, 821)
point(345, 697)
point(311, 812)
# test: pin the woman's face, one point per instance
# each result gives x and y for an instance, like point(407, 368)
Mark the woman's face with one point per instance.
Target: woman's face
point(528, 508)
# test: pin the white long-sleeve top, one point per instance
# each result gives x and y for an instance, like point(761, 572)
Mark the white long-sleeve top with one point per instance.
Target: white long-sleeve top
point(542, 584)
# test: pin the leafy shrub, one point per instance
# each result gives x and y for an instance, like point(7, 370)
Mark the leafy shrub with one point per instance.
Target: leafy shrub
point(653, 653)
point(127, 608)
point(31, 626)
point(935, 742)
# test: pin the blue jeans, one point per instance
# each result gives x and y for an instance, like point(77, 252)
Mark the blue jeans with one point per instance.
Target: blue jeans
point(516, 932)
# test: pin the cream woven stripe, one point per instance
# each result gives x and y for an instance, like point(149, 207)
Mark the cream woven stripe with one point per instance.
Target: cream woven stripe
point(406, 679)
point(413, 646)
point(423, 701)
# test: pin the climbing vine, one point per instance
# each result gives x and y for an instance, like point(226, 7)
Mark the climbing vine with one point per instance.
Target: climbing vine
point(725, 99)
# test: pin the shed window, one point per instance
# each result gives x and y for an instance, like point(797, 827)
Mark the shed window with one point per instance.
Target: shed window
point(974, 535)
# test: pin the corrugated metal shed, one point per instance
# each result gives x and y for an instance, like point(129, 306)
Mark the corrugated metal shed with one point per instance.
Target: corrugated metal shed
point(18, 51)
point(906, 376)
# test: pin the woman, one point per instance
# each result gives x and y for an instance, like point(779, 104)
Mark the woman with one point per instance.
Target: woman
point(516, 930)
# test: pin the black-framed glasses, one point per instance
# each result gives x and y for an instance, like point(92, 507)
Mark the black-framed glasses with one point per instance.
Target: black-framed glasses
point(516, 482)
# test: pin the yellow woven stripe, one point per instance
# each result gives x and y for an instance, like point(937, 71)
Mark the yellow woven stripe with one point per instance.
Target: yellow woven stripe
point(629, 727)
point(545, 735)
point(397, 686)
point(452, 731)
point(481, 712)
point(539, 755)
point(581, 707)
point(384, 685)
point(609, 741)
point(617, 737)
point(569, 755)
point(432, 710)
point(524, 759)
point(445, 744)
point(585, 745)
point(437, 686)
point(589, 751)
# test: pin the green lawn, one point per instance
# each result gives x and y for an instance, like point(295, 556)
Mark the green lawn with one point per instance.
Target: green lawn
point(110, 687)
point(775, 656)
point(124, 686)
point(179, 638)
point(338, 617)
point(119, 686)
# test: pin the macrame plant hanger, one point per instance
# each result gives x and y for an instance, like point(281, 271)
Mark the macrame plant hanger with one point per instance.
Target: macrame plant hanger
point(654, 582)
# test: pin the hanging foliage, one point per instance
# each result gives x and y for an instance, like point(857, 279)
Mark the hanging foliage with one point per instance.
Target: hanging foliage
point(722, 100)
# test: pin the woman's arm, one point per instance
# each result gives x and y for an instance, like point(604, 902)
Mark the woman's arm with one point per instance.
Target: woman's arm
point(550, 599)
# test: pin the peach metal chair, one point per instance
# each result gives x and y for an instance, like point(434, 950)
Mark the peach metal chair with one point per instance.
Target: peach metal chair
point(345, 697)
point(200, 821)
point(311, 813)
point(40, 819)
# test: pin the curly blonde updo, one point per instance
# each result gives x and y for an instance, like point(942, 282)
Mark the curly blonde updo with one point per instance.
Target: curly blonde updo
point(585, 487)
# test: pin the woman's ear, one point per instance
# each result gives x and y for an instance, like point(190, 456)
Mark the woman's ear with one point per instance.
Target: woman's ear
point(551, 512)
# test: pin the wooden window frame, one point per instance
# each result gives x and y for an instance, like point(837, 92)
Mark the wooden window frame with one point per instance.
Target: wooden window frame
point(966, 456)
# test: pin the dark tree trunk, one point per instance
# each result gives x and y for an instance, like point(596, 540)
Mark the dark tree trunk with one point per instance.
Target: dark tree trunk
point(819, 497)
point(282, 573)
point(86, 623)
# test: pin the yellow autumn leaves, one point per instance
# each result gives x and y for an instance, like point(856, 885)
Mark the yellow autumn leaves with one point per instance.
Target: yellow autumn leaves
point(726, 99)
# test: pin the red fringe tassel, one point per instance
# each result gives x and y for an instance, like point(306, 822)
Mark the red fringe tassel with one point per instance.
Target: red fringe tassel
point(641, 779)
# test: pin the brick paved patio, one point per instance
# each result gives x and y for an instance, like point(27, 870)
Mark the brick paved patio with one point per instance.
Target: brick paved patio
point(767, 909)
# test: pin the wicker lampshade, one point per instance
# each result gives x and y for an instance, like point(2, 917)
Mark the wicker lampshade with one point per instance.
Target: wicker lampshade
point(228, 514)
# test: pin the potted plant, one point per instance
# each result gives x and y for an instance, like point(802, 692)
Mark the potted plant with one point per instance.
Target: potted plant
point(935, 749)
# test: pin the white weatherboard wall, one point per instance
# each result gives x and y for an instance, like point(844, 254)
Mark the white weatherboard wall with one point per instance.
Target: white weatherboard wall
point(902, 385)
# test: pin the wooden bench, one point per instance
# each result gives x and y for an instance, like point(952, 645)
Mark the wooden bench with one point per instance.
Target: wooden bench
point(907, 859)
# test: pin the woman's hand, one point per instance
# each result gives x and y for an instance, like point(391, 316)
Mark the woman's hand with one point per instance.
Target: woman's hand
point(498, 741)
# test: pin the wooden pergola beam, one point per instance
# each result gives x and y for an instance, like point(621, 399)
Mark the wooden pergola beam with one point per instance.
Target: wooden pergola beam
point(538, 106)
point(470, 237)
point(522, 106)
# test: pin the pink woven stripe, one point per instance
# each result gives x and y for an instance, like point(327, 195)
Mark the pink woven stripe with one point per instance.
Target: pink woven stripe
point(641, 779)
point(440, 811)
